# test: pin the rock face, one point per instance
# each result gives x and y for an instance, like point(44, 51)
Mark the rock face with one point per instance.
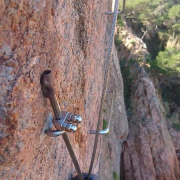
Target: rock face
point(67, 37)
point(176, 141)
point(149, 153)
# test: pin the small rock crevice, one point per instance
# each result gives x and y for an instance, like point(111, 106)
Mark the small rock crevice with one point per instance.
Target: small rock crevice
point(80, 30)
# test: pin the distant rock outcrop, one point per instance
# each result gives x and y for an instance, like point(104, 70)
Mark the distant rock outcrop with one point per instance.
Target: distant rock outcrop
point(149, 153)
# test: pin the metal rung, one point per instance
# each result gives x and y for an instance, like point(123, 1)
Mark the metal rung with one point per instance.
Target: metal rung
point(102, 132)
point(105, 131)
point(54, 133)
point(110, 13)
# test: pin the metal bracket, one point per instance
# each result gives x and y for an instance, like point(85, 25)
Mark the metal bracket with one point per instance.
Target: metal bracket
point(105, 131)
point(54, 133)
point(48, 128)
point(63, 121)
point(63, 125)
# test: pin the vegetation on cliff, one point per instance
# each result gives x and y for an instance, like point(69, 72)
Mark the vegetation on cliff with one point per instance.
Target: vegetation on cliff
point(157, 23)
point(160, 19)
point(155, 16)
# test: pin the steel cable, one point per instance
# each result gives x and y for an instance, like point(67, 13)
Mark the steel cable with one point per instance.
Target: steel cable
point(106, 77)
point(57, 113)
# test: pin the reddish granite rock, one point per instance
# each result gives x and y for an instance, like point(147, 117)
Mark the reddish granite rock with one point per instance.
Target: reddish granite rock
point(67, 37)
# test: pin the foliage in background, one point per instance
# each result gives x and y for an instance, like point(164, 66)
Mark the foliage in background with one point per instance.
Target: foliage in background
point(127, 79)
point(162, 16)
point(117, 40)
point(171, 96)
point(166, 64)
point(104, 124)
point(156, 22)
point(120, 24)
point(115, 176)
point(173, 118)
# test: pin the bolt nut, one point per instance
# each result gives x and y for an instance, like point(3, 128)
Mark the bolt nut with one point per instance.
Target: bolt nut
point(76, 119)
point(71, 128)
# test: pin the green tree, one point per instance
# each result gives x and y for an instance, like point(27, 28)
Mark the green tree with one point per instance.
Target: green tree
point(166, 64)
point(174, 12)
point(155, 16)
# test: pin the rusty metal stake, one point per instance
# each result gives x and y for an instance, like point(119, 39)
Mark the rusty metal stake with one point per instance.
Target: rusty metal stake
point(49, 92)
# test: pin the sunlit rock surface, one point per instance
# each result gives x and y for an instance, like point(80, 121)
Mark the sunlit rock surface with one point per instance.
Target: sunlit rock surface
point(67, 37)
